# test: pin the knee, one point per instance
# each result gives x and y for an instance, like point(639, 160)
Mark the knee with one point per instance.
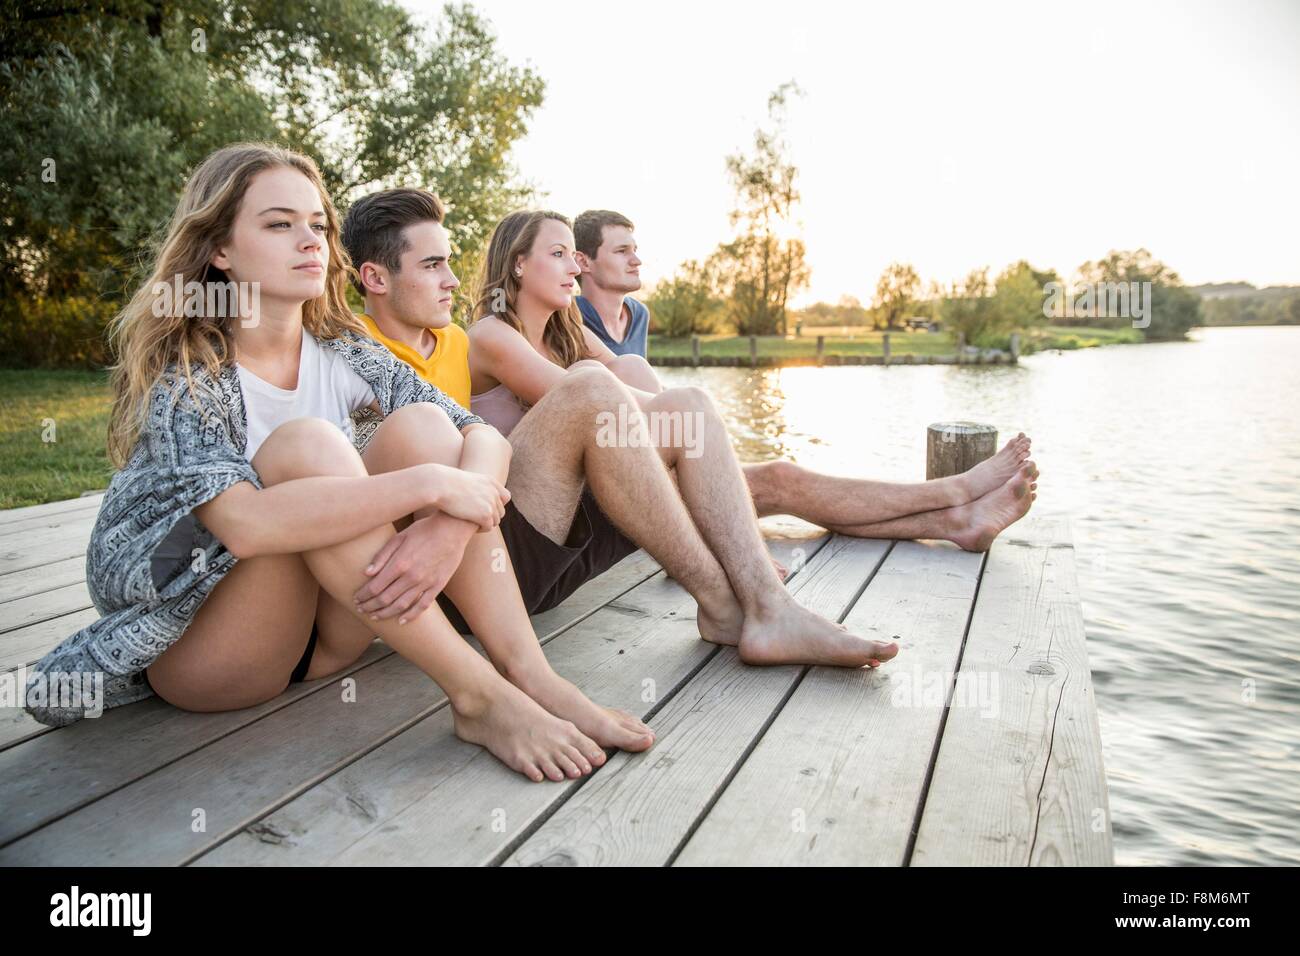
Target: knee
point(583, 366)
point(770, 481)
point(592, 384)
point(423, 419)
point(304, 447)
point(631, 362)
point(687, 398)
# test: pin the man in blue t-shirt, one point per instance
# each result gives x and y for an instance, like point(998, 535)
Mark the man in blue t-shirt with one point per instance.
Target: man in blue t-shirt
point(606, 253)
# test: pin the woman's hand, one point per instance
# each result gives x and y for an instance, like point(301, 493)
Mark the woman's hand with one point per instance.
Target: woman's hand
point(480, 499)
point(413, 567)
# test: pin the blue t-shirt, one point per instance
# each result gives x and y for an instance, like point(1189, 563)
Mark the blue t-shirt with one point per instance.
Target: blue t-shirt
point(638, 326)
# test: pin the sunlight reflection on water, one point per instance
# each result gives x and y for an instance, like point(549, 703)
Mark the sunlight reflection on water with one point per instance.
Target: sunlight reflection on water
point(1178, 464)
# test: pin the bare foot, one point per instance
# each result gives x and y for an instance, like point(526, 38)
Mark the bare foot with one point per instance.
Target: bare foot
point(794, 635)
point(523, 736)
point(607, 726)
point(991, 473)
point(984, 519)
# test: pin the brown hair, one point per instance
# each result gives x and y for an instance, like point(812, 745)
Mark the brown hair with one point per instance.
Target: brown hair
point(498, 286)
point(589, 229)
point(147, 338)
point(373, 226)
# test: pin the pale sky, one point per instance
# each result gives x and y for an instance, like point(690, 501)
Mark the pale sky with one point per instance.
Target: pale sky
point(948, 135)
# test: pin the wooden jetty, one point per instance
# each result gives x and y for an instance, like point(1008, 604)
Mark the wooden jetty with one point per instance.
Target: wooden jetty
point(978, 745)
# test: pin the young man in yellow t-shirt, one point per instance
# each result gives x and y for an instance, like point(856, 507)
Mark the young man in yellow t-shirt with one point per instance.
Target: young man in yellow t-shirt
point(408, 303)
point(402, 254)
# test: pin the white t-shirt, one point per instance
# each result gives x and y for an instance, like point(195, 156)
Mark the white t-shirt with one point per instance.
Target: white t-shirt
point(328, 388)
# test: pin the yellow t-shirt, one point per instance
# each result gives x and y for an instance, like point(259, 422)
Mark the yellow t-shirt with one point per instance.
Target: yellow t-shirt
point(446, 368)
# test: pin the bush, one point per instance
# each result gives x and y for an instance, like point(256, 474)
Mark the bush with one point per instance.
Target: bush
point(685, 303)
point(39, 332)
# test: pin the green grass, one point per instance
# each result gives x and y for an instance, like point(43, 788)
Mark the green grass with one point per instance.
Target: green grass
point(71, 408)
point(1078, 337)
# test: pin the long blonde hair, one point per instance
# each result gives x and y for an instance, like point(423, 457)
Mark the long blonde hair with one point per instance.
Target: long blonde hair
point(146, 344)
point(498, 286)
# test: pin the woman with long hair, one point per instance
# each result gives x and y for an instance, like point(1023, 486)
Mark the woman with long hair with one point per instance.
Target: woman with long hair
point(242, 521)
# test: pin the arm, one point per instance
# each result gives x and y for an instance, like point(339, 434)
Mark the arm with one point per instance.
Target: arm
point(507, 356)
point(486, 451)
point(285, 518)
point(412, 568)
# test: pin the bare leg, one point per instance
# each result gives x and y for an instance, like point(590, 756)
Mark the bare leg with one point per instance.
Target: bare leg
point(487, 710)
point(557, 451)
point(841, 504)
point(485, 591)
point(715, 538)
point(971, 526)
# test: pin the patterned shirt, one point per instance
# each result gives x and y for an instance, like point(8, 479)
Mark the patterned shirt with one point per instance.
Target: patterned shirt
point(185, 457)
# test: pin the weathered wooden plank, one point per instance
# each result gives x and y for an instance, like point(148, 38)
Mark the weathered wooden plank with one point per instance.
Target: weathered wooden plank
point(83, 519)
point(45, 778)
point(1026, 786)
point(427, 797)
point(641, 807)
point(838, 776)
point(16, 725)
point(18, 553)
point(28, 644)
point(47, 577)
point(224, 763)
point(35, 608)
point(53, 507)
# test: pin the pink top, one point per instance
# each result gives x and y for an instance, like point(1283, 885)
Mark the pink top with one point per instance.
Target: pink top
point(499, 407)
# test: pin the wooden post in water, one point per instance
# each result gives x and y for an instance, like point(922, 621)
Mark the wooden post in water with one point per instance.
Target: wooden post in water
point(753, 351)
point(695, 350)
point(885, 341)
point(954, 447)
point(1015, 346)
point(821, 350)
point(961, 347)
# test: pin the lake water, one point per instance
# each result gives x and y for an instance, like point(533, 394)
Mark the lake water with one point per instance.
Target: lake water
point(1179, 465)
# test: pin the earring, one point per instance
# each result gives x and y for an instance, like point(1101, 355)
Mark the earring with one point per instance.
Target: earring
point(519, 272)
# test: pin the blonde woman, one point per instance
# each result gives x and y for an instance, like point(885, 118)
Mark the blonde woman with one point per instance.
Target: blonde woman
point(242, 522)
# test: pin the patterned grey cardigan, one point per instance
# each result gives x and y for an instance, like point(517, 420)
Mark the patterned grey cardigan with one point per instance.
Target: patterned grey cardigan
point(182, 460)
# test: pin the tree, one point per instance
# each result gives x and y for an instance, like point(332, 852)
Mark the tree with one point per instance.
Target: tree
point(1019, 294)
point(759, 273)
point(1173, 308)
point(107, 107)
point(896, 294)
point(760, 269)
point(686, 302)
point(969, 309)
point(848, 311)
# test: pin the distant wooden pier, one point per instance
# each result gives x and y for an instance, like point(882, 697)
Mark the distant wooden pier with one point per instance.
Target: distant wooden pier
point(964, 355)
